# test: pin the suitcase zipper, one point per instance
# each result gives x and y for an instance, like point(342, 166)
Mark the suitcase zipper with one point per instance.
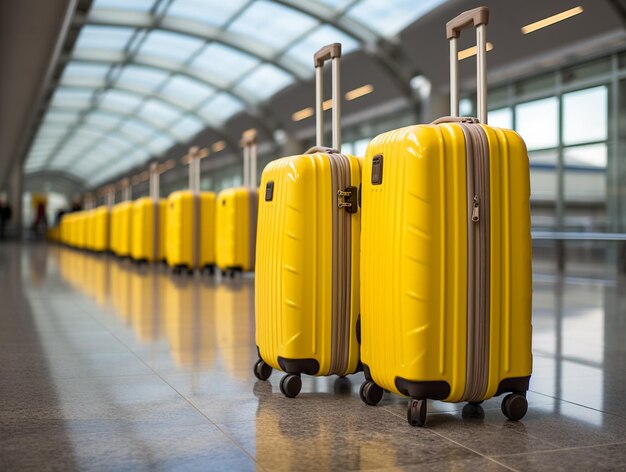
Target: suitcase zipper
point(477, 377)
point(342, 236)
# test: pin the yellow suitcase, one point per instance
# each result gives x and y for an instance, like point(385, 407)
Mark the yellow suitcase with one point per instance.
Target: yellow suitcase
point(121, 228)
point(150, 223)
point(236, 216)
point(100, 229)
point(307, 283)
point(190, 233)
point(149, 226)
point(235, 231)
point(446, 259)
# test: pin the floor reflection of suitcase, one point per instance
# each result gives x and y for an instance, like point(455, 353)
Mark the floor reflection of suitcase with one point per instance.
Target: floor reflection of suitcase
point(446, 258)
point(307, 279)
point(236, 217)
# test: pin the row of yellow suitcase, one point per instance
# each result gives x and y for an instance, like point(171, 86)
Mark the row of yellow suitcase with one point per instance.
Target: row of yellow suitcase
point(440, 248)
point(188, 230)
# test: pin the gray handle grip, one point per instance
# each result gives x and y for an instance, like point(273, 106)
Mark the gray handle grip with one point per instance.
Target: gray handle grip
point(478, 17)
point(330, 52)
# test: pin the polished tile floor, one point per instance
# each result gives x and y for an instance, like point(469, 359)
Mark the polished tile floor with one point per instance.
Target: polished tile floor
point(104, 366)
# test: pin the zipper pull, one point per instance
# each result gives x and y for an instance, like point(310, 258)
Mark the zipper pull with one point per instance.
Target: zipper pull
point(475, 209)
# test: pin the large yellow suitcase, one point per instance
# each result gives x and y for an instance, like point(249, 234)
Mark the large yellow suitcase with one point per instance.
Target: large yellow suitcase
point(446, 259)
point(307, 273)
point(148, 232)
point(121, 228)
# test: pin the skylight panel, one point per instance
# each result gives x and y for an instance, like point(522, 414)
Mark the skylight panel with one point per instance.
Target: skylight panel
point(94, 37)
point(223, 62)
point(72, 98)
point(212, 12)
point(103, 120)
point(272, 24)
point(120, 101)
point(172, 46)
point(186, 92)
point(392, 16)
point(159, 143)
point(264, 82)
point(145, 79)
point(82, 74)
point(221, 108)
point(131, 5)
point(159, 113)
point(140, 130)
point(187, 127)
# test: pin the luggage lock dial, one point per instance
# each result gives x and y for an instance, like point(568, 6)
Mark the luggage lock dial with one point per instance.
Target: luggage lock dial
point(347, 199)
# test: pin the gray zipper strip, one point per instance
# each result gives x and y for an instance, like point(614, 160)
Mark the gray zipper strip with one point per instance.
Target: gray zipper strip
point(195, 231)
point(155, 229)
point(253, 213)
point(478, 275)
point(341, 277)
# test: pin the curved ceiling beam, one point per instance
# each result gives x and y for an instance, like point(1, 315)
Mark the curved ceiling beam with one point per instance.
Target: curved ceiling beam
point(70, 181)
point(386, 52)
point(195, 29)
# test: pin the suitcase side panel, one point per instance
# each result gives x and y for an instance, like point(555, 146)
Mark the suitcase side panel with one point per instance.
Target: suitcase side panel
point(511, 264)
point(294, 251)
point(416, 221)
point(162, 229)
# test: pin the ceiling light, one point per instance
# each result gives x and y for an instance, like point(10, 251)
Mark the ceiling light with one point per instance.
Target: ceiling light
point(328, 104)
point(218, 146)
point(469, 52)
point(302, 114)
point(537, 25)
point(359, 92)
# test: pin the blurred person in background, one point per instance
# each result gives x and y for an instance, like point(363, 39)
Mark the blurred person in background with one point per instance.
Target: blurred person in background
point(5, 216)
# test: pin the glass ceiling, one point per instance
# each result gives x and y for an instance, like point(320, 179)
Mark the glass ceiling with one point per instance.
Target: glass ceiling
point(147, 74)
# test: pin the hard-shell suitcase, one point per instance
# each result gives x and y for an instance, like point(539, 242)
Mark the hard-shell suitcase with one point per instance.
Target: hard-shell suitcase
point(307, 278)
point(446, 258)
point(121, 222)
point(190, 234)
point(149, 223)
point(100, 229)
point(236, 216)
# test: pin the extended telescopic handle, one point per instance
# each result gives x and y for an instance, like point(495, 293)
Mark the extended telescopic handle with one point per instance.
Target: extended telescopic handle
point(195, 154)
point(248, 143)
point(330, 52)
point(155, 181)
point(477, 18)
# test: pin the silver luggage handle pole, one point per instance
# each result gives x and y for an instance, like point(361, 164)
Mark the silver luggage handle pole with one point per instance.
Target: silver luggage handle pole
point(155, 192)
point(248, 143)
point(330, 52)
point(194, 155)
point(126, 190)
point(478, 18)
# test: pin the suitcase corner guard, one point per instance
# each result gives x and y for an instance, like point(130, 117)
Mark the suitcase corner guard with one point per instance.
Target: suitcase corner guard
point(299, 366)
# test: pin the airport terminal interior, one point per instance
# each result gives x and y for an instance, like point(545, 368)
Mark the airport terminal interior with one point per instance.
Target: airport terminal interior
point(124, 352)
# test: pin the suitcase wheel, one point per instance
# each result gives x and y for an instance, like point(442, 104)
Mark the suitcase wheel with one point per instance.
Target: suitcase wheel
point(262, 371)
point(416, 412)
point(473, 410)
point(290, 385)
point(514, 406)
point(370, 393)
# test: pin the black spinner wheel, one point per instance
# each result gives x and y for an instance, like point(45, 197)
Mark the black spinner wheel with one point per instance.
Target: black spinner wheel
point(370, 393)
point(514, 406)
point(290, 385)
point(262, 371)
point(416, 412)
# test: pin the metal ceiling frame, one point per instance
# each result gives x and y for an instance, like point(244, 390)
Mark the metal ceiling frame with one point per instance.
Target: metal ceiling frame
point(379, 48)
